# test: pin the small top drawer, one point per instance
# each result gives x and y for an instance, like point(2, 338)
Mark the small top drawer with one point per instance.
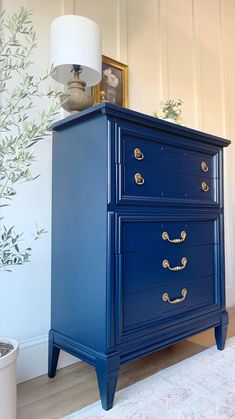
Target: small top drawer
point(154, 171)
point(167, 158)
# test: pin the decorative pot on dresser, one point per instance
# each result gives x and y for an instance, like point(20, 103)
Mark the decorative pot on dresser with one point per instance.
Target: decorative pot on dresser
point(137, 238)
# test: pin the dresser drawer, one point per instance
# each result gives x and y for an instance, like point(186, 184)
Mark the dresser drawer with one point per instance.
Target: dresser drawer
point(146, 270)
point(152, 232)
point(166, 158)
point(151, 171)
point(160, 303)
point(150, 186)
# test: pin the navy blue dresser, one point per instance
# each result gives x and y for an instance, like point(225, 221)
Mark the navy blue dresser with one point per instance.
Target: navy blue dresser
point(137, 238)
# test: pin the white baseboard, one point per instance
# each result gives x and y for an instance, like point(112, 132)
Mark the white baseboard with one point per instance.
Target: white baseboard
point(230, 301)
point(33, 358)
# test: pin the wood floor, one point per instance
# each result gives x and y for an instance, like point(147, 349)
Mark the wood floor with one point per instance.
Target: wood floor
point(75, 386)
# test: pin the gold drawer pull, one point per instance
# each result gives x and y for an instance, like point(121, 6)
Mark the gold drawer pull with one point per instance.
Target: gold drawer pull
point(204, 166)
point(166, 265)
point(166, 298)
point(183, 234)
point(205, 187)
point(139, 179)
point(138, 154)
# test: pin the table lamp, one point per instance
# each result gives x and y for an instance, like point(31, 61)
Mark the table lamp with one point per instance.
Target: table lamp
point(76, 56)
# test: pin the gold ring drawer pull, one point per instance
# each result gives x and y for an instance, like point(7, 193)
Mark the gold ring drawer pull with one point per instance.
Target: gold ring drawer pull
point(166, 298)
point(183, 235)
point(139, 179)
point(138, 154)
point(204, 166)
point(166, 265)
point(205, 187)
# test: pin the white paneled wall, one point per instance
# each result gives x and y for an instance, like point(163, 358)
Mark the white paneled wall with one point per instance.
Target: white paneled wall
point(208, 60)
point(174, 49)
point(143, 48)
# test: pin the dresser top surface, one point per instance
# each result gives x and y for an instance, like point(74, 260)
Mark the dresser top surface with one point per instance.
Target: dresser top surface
point(129, 115)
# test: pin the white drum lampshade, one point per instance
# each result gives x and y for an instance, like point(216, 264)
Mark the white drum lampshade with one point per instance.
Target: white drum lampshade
point(76, 44)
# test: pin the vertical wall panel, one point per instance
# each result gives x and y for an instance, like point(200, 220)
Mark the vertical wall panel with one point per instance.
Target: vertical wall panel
point(122, 31)
point(67, 7)
point(143, 54)
point(177, 54)
point(208, 54)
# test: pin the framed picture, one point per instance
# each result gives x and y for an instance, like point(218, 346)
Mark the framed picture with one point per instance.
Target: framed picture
point(113, 87)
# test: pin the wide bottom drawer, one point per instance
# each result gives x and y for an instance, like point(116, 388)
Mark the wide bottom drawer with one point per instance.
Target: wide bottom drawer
point(166, 300)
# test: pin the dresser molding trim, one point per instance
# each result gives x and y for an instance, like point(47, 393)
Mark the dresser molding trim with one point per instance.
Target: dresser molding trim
point(126, 353)
point(168, 337)
point(145, 120)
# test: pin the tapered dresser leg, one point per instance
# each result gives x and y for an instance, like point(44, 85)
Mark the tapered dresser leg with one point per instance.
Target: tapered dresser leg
point(53, 356)
point(107, 375)
point(221, 331)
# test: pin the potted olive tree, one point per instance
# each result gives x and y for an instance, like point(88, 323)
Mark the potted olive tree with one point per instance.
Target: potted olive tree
point(19, 132)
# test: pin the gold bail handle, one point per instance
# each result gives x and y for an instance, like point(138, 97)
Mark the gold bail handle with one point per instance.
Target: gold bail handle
point(166, 265)
point(183, 235)
point(167, 299)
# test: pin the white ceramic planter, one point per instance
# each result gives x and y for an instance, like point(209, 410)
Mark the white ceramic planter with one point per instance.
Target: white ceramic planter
point(8, 381)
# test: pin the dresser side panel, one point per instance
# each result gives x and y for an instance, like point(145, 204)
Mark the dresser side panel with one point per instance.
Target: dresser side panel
point(79, 230)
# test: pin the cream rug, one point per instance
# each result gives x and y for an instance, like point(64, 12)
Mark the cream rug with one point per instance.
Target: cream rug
point(200, 387)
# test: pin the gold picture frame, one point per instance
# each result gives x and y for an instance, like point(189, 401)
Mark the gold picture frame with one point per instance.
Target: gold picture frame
point(113, 87)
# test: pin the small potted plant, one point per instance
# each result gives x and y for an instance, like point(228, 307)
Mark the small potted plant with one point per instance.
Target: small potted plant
point(170, 111)
point(19, 133)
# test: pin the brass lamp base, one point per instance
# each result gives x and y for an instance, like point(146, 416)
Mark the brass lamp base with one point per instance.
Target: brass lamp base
point(77, 99)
